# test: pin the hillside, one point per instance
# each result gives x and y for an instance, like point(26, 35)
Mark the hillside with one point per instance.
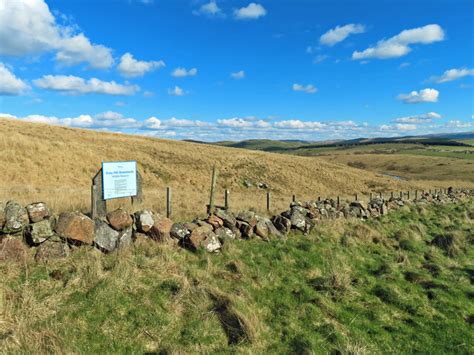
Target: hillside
point(56, 164)
point(399, 284)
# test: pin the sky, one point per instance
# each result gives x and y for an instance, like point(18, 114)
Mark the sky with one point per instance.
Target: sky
point(232, 69)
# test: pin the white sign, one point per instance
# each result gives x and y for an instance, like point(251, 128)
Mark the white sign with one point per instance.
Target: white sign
point(119, 179)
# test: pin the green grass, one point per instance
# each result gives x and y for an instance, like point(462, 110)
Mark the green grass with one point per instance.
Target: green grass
point(399, 284)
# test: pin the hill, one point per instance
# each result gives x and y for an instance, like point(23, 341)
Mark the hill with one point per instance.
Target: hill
point(56, 164)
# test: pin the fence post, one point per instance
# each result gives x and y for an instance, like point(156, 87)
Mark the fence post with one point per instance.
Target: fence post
point(338, 201)
point(294, 198)
point(213, 187)
point(226, 199)
point(168, 202)
point(370, 196)
point(408, 195)
point(319, 198)
point(391, 194)
point(401, 195)
point(416, 194)
point(268, 201)
point(356, 197)
point(380, 194)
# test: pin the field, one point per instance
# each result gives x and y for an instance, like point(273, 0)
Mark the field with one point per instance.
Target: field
point(399, 284)
point(56, 164)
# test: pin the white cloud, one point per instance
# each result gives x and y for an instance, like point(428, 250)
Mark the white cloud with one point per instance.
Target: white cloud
point(152, 123)
point(176, 122)
point(251, 12)
point(453, 74)
point(298, 124)
point(9, 83)
point(320, 58)
point(340, 33)
point(398, 45)
point(209, 9)
point(309, 89)
point(238, 75)
point(398, 127)
point(147, 93)
point(182, 72)
point(425, 95)
point(75, 85)
point(176, 91)
point(28, 27)
point(238, 122)
point(426, 118)
point(130, 67)
point(458, 124)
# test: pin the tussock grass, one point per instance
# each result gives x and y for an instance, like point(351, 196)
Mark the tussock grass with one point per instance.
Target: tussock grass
point(299, 294)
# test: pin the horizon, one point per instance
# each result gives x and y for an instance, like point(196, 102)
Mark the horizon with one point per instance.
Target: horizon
point(237, 70)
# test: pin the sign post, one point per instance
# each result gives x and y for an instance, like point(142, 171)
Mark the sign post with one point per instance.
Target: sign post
point(114, 180)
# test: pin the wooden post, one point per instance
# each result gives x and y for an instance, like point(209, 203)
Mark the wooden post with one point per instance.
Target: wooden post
point(429, 191)
point(226, 199)
point(338, 201)
point(213, 187)
point(319, 198)
point(391, 194)
point(370, 197)
point(356, 197)
point(401, 195)
point(380, 195)
point(408, 194)
point(168, 202)
point(98, 204)
point(416, 194)
point(294, 198)
point(268, 201)
point(139, 197)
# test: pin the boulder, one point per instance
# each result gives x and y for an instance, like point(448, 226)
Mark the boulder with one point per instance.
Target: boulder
point(383, 209)
point(16, 218)
point(248, 217)
point(2, 215)
point(144, 220)
point(75, 227)
point(282, 223)
point(38, 211)
point(119, 219)
point(227, 217)
point(359, 204)
point(51, 249)
point(12, 249)
point(272, 230)
point(246, 229)
point(125, 238)
point(211, 243)
point(261, 229)
point(197, 236)
point(215, 221)
point(224, 234)
point(179, 231)
point(38, 232)
point(298, 220)
point(105, 237)
point(161, 228)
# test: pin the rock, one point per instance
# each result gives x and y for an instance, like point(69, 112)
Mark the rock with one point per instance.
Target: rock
point(227, 217)
point(37, 233)
point(298, 221)
point(125, 238)
point(384, 209)
point(359, 204)
point(247, 183)
point(263, 185)
point(179, 231)
point(215, 221)
point(261, 229)
point(75, 227)
point(211, 243)
point(38, 211)
point(12, 249)
point(246, 229)
point(224, 234)
point(16, 218)
point(161, 228)
point(119, 219)
point(105, 237)
point(272, 230)
point(144, 220)
point(249, 217)
point(197, 236)
point(282, 223)
point(191, 226)
point(51, 249)
point(2, 215)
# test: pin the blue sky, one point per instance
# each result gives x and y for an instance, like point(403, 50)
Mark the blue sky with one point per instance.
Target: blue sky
point(231, 70)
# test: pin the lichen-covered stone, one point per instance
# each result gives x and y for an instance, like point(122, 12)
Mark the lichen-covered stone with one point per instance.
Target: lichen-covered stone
point(75, 227)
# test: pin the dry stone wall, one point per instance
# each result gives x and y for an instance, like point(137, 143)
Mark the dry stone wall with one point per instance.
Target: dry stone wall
point(36, 226)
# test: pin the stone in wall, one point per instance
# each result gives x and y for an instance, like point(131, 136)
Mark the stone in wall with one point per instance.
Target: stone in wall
point(75, 227)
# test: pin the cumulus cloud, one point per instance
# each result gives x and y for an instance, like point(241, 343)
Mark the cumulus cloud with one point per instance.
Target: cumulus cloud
point(28, 27)
point(130, 67)
point(176, 91)
point(309, 89)
point(425, 118)
point(453, 74)
point(9, 83)
point(298, 124)
point(425, 95)
point(399, 45)
point(182, 72)
point(246, 122)
point(209, 9)
point(398, 127)
point(458, 124)
point(340, 33)
point(252, 11)
point(75, 85)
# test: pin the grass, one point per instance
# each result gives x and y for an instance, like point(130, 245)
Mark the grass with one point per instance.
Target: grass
point(55, 165)
point(398, 284)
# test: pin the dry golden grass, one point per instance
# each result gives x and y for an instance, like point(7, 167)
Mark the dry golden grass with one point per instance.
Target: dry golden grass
point(55, 164)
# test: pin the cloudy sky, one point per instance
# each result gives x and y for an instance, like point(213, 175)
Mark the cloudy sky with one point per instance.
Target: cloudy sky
point(234, 69)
